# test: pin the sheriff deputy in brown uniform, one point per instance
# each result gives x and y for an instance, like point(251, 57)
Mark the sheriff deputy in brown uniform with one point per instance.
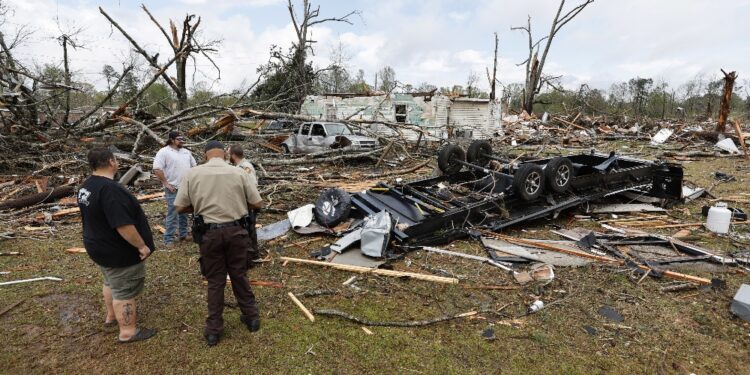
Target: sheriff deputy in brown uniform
point(237, 158)
point(222, 195)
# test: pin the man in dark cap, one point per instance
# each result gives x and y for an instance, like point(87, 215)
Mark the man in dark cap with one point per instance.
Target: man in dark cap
point(221, 196)
point(170, 165)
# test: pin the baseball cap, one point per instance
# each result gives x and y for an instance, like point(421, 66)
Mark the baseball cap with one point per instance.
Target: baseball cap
point(210, 145)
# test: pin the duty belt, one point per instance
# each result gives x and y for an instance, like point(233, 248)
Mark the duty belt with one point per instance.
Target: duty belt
point(223, 225)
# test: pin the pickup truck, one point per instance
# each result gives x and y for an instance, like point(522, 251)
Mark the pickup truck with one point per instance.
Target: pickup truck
point(322, 136)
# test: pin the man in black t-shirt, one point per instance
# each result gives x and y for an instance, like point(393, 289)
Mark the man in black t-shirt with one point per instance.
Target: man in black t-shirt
point(118, 239)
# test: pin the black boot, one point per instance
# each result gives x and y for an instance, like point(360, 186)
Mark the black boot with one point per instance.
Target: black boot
point(253, 324)
point(212, 339)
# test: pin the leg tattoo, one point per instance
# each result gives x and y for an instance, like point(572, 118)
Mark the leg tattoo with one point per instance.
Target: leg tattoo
point(127, 313)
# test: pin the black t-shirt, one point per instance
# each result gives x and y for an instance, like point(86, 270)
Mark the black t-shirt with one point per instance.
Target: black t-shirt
point(106, 205)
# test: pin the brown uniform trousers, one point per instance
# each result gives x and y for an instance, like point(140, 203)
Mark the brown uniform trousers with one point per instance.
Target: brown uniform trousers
point(225, 251)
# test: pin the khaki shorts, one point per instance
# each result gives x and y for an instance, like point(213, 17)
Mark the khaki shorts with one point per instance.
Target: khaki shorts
point(125, 282)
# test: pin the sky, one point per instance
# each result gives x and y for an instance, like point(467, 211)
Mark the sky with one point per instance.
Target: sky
point(438, 42)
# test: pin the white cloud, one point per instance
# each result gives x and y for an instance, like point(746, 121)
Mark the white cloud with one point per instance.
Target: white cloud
point(422, 41)
point(470, 56)
point(434, 65)
point(459, 16)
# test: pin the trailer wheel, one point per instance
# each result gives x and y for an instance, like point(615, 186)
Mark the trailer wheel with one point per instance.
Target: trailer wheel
point(332, 207)
point(559, 173)
point(477, 151)
point(528, 181)
point(448, 157)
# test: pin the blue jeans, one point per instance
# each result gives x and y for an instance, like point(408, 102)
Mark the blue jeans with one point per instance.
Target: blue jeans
point(174, 220)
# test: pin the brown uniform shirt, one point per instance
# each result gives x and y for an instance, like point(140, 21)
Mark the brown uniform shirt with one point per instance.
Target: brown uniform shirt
point(249, 169)
point(217, 191)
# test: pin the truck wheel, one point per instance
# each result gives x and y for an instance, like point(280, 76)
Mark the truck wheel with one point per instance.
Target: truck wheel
point(528, 181)
point(477, 151)
point(448, 156)
point(285, 148)
point(559, 173)
point(332, 207)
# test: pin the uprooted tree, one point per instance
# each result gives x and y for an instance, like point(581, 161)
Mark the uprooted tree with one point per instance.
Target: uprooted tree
point(535, 78)
point(291, 76)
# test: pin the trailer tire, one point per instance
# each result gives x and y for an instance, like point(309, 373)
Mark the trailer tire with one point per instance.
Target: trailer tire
point(332, 207)
point(477, 151)
point(448, 156)
point(528, 181)
point(559, 173)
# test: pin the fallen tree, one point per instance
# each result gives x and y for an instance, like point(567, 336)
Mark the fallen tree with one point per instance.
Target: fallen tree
point(43, 197)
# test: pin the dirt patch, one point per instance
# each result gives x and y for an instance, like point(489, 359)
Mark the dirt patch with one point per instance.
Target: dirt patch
point(71, 311)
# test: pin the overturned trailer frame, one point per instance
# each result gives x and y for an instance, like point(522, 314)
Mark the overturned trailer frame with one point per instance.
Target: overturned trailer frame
point(480, 190)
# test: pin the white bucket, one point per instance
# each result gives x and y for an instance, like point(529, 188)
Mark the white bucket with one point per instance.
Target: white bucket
point(719, 217)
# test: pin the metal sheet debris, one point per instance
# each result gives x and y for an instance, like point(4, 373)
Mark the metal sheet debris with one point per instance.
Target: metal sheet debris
point(376, 232)
point(661, 136)
point(727, 144)
point(274, 230)
point(625, 208)
point(355, 258)
point(539, 255)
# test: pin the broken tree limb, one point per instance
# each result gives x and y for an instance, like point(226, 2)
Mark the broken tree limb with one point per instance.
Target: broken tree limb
point(467, 256)
point(305, 160)
point(143, 128)
point(376, 271)
point(121, 110)
point(741, 137)
point(75, 210)
point(412, 323)
point(302, 307)
point(151, 59)
point(44, 197)
point(402, 171)
point(109, 96)
point(569, 123)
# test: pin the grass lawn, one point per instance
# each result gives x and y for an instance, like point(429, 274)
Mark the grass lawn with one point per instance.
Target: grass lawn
point(57, 329)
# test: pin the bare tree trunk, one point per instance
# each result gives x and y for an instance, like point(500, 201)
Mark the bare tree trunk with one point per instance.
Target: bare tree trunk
point(67, 81)
point(726, 100)
point(535, 66)
point(181, 65)
point(494, 72)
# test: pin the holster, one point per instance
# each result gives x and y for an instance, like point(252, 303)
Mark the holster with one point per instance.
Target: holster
point(198, 228)
point(253, 252)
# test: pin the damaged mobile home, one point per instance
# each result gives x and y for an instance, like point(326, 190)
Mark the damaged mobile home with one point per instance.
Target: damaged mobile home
point(439, 116)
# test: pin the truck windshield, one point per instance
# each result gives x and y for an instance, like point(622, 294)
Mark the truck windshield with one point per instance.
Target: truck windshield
point(337, 129)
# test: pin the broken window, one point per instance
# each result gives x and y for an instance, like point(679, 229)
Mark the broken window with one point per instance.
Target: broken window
point(305, 129)
point(401, 113)
point(318, 131)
